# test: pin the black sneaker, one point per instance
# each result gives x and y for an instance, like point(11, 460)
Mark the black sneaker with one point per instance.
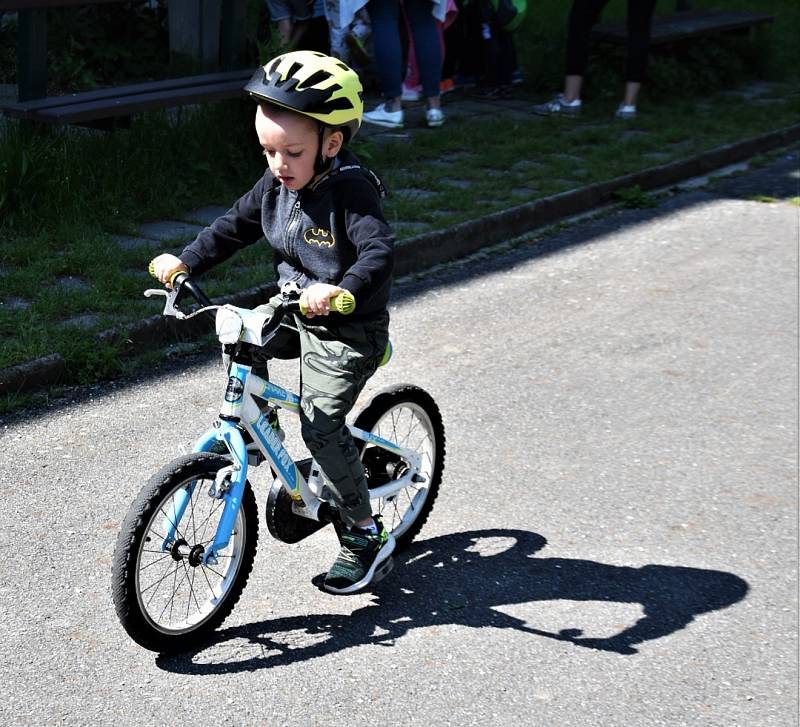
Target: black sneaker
point(365, 558)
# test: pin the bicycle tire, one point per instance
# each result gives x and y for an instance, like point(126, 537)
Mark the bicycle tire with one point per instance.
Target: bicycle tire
point(395, 413)
point(144, 524)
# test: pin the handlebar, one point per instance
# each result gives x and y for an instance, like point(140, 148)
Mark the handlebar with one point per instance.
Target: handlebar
point(180, 281)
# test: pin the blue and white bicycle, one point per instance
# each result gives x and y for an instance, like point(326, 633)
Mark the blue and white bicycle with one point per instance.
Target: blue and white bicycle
point(186, 547)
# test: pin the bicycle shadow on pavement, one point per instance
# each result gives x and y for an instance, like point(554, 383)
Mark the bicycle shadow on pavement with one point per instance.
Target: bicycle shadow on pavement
point(461, 579)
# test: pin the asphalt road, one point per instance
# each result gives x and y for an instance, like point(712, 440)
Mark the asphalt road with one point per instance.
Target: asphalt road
point(616, 538)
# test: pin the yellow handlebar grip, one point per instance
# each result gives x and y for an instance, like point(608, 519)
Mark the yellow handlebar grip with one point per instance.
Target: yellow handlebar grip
point(344, 303)
point(151, 268)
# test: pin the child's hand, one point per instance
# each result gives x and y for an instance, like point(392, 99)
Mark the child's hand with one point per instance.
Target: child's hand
point(316, 299)
point(164, 266)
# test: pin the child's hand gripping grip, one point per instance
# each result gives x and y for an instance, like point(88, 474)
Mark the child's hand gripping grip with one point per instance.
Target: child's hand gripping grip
point(151, 268)
point(344, 303)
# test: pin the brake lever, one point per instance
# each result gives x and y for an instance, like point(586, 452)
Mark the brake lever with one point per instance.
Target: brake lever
point(169, 307)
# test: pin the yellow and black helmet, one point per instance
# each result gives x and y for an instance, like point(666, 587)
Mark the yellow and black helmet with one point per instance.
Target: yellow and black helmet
point(314, 85)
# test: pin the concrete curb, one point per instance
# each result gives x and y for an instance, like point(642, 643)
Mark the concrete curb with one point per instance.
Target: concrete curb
point(422, 251)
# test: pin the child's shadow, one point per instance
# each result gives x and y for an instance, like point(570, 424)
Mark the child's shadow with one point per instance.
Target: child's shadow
point(459, 579)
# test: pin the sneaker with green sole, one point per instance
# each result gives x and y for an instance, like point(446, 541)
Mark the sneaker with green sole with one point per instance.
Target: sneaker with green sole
point(364, 558)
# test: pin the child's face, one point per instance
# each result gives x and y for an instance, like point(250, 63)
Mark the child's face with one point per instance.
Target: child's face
point(290, 143)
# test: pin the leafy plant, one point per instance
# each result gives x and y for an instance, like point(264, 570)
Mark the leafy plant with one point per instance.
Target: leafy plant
point(635, 198)
point(21, 171)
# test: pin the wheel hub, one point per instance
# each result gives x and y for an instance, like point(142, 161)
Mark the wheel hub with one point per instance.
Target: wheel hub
point(196, 555)
point(180, 550)
point(382, 467)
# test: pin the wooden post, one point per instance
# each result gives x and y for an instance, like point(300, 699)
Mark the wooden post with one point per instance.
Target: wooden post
point(194, 30)
point(232, 33)
point(32, 54)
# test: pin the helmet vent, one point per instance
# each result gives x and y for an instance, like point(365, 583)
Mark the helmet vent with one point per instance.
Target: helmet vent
point(294, 70)
point(268, 71)
point(316, 78)
point(337, 104)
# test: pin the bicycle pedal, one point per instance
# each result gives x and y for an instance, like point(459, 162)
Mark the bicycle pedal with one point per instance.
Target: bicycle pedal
point(383, 570)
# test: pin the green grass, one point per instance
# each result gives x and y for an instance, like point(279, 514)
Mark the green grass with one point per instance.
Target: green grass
point(98, 184)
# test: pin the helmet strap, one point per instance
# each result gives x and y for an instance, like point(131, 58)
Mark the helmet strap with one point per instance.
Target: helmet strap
point(322, 163)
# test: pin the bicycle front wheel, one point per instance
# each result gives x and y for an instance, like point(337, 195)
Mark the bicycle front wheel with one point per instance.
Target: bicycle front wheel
point(166, 597)
point(406, 415)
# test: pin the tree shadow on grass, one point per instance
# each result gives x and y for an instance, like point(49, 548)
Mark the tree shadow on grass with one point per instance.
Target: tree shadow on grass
point(461, 579)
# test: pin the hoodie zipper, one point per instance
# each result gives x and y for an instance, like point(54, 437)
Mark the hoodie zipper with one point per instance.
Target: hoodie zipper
point(294, 219)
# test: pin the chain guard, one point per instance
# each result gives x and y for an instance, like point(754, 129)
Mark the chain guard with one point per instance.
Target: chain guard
point(282, 522)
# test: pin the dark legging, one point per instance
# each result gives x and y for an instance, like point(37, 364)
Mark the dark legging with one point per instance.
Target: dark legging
point(583, 16)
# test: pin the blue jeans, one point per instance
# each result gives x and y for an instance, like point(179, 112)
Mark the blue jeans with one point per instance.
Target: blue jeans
point(385, 18)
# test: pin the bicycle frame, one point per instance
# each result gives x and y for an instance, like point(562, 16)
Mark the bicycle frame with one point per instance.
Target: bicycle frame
point(239, 408)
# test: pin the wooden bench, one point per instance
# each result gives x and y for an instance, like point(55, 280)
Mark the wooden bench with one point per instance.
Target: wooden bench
point(122, 101)
point(106, 108)
point(32, 41)
point(686, 24)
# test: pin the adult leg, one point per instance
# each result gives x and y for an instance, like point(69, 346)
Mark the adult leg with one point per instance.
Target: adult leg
point(427, 45)
point(639, 19)
point(384, 16)
point(582, 17)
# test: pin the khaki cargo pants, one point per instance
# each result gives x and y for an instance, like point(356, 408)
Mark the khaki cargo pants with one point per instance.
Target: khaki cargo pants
point(335, 362)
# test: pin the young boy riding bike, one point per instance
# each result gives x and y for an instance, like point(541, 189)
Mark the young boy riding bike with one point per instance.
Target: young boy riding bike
point(320, 212)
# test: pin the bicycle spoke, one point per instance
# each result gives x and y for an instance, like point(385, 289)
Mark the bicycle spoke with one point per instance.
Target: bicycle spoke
point(408, 426)
point(201, 539)
point(193, 594)
point(210, 587)
point(156, 562)
point(158, 582)
point(168, 518)
point(191, 514)
point(175, 584)
point(221, 576)
point(171, 601)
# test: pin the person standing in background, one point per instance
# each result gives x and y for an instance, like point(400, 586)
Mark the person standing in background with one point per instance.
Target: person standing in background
point(582, 17)
point(422, 16)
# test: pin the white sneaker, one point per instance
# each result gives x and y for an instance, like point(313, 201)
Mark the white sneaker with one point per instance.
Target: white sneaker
point(626, 112)
point(434, 118)
point(558, 107)
point(410, 93)
point(381, 116)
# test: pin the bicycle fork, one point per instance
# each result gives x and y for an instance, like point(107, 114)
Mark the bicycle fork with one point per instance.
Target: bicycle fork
point(228, 487)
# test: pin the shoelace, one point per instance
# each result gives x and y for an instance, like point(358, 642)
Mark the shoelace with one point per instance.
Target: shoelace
point(348, 555)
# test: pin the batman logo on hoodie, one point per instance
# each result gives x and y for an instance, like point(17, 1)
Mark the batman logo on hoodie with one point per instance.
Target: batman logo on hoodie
point(319, 237)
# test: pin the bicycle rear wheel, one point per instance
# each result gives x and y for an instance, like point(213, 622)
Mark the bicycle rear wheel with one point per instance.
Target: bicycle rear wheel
point(166, 597)
point(407, 415)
